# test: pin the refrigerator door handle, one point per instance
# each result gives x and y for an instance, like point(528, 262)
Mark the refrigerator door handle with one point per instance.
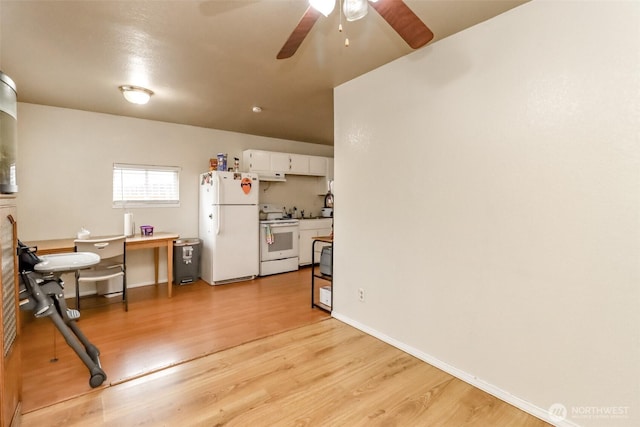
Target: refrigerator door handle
point(219, 189)
point(219, 221)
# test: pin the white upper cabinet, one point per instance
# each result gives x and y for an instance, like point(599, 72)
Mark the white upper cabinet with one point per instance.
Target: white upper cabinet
point(294, 164)
point(318, 166)
point(298, 164)
point(256, 161)
point(265, 161)
point(279, 162)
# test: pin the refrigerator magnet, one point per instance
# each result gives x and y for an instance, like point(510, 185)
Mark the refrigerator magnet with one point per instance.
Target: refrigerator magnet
point(245, 184)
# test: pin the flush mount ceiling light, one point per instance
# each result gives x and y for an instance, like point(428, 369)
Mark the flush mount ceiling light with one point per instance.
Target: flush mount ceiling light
point(136, 94)
point(257, 109)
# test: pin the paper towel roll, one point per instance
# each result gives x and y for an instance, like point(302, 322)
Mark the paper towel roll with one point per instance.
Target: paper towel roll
point(128, 225)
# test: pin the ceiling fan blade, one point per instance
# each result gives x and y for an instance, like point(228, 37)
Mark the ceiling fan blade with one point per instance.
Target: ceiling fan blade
point(299, 33)
point(404, 21)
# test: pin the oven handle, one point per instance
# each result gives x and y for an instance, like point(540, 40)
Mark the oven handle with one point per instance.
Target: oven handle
point(278, 225)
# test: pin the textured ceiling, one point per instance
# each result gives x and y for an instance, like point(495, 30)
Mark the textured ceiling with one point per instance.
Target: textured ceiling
point(208, 62)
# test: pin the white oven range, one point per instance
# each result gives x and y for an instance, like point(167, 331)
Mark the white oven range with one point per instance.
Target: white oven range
point(279, 245)
point(278, 242)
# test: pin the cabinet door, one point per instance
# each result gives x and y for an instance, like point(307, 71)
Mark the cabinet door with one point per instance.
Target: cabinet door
point(306, 242)
point(259, 161)
point(279, 162)
point(317, 166)
point(323, 229)
point(10, 349)
point(298, 164)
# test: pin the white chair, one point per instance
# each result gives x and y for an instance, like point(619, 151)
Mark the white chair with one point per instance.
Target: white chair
point(112, 264)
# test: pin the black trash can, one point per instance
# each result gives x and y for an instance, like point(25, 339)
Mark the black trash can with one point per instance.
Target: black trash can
point(186, 260)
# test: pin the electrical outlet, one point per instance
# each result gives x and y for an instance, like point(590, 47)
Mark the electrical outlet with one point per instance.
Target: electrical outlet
point(361, 294)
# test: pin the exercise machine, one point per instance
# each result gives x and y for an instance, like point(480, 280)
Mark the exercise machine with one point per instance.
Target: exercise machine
point(42, 292)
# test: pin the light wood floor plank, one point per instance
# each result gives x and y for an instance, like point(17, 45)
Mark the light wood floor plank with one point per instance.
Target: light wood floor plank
point(158, 332)
point(323, 374)
point(252, 354)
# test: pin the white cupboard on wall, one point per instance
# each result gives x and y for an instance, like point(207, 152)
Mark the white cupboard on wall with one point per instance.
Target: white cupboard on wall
point(310, 228)
point(279, 162)
point(298, 164)
point(319, 165)
point(294, 164)
point(265, 161)
point(257, 160)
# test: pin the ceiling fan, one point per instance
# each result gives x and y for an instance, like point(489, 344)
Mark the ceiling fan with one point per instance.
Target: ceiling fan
point(395, 12)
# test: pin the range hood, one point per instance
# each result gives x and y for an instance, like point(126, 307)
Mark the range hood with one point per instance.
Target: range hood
point(271, 176)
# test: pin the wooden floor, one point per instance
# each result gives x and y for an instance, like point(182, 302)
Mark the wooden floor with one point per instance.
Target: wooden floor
point(318, 372)
point(158, 332)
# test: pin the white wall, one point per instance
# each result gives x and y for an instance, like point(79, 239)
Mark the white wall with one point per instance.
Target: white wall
point(65, 163)
point(503, 242)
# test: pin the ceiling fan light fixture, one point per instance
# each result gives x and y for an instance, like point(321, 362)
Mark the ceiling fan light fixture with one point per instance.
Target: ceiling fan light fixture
point(325, 7)
point(136, 94)
point(355, 9)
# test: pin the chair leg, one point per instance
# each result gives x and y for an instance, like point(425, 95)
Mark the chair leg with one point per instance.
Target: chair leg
point(77, 292)
point(125, 294)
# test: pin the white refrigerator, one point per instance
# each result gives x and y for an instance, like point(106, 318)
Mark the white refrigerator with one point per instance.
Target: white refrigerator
point(229, 227)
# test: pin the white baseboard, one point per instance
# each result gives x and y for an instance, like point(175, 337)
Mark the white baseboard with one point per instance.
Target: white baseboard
point(503, 395)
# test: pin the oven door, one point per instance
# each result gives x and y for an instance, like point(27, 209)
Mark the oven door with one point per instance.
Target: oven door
point(283, 238)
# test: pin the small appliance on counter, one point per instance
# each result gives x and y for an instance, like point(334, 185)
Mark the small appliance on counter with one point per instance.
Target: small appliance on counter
point(279, 250)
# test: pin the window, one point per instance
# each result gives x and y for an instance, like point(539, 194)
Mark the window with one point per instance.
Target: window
point(145, 186)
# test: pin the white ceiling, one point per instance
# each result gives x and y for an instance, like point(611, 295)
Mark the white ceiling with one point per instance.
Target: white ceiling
point(208, 62)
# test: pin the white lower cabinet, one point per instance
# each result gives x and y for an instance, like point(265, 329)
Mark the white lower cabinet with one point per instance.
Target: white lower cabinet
point(310, 228)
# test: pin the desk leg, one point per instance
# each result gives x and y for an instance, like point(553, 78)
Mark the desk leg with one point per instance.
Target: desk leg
point(156, 261)
point(313, 273)
point(169, 266)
